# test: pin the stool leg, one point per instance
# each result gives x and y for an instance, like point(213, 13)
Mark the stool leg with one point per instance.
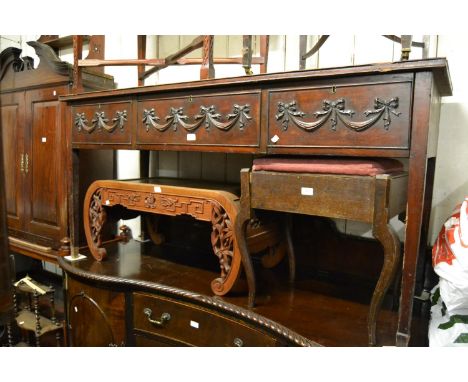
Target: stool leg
point(391, 244)
point(240, 227)
point(385, 234)
point(291, 255)
point(10, 335)
point(240, 232)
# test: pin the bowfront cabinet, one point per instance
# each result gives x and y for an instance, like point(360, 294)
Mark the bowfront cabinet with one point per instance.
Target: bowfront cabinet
point(35, 148)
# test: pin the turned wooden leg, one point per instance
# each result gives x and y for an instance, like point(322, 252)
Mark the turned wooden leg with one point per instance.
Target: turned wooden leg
point(10, 335)
point(385, 234)
point(58, 338)
point(37, 332)
point(53, 318)
point(291, 255)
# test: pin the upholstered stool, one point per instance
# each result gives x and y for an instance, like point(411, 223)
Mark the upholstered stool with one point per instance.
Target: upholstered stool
point(367, 190)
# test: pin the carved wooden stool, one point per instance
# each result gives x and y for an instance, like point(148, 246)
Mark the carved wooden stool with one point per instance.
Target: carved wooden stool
point(362, 190)
point(205, 201)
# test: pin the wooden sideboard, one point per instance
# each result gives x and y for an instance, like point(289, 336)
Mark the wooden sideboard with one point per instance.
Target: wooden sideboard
point(382, 110)
point(35, 147)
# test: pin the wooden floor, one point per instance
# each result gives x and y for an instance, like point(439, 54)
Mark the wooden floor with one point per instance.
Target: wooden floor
point(332, 314)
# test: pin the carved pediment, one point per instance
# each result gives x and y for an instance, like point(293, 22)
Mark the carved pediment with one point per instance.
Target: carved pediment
point(49, 58)
point(11, 60)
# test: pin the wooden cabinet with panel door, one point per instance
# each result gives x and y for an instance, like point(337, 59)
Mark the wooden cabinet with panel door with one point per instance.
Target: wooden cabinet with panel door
point(35, 147)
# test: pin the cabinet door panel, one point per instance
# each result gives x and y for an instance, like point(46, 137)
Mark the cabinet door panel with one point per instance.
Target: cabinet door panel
point(45, 187)
point(43, 164)
point(12, 118)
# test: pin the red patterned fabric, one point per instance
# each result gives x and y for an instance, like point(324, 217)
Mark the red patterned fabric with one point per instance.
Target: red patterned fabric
point(452, 242)
point(345, 166)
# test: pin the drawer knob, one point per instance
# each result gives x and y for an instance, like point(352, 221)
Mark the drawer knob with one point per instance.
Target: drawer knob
point(163, 319)
point(238, 342)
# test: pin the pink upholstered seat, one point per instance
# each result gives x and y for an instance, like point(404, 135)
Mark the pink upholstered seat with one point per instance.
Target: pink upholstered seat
point(345, 166)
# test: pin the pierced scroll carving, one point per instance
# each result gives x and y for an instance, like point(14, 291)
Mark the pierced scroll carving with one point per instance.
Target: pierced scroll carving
point(97, 218)
point(222, 241)
point(208, 117)
point(334, 111)
point(100, 121)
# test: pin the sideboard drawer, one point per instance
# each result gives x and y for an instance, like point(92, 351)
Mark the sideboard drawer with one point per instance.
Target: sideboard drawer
point(193, 325)
point(203, 120)
point(107, 123)
point(367, 115)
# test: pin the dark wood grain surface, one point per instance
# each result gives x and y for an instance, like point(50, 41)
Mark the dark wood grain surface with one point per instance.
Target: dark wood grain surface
point(6, 295)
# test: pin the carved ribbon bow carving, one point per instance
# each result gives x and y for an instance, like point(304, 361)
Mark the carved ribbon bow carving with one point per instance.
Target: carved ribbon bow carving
point(100, 121)
point(384, 108)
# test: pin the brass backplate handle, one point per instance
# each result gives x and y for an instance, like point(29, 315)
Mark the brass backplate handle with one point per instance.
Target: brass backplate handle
point(163, 319)
point(22, 163)
point(26, 164)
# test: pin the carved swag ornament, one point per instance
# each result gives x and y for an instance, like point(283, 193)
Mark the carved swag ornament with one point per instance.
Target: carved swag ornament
point(207, 116)
point(100, 121)
point(334, 111)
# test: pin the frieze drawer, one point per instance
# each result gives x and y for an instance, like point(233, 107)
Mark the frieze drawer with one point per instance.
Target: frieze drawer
point(204, 120)
point(108, 123)
point(354, 116)
point(192, 325)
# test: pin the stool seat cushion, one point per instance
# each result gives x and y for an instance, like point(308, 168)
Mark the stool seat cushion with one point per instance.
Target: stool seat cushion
point(344, 166)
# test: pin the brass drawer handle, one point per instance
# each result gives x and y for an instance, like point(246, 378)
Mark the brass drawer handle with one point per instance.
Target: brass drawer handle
point(164, 317)
point(22, 163)
point(26, 164)
point(238, 342)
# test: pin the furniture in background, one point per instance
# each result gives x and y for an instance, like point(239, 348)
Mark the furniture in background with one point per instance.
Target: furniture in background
point(35, 144)
point(28, 295)
point(207, 61)
point(406, 42)
point(381, 110)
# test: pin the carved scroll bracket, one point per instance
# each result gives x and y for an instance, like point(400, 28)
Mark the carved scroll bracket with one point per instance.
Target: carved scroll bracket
point(100, 121)
point(222, 241)
point(97, 218)
point(334, 111)
point(208, 117)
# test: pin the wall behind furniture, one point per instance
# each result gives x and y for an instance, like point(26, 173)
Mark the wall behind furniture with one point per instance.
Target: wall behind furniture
point(451, 181)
